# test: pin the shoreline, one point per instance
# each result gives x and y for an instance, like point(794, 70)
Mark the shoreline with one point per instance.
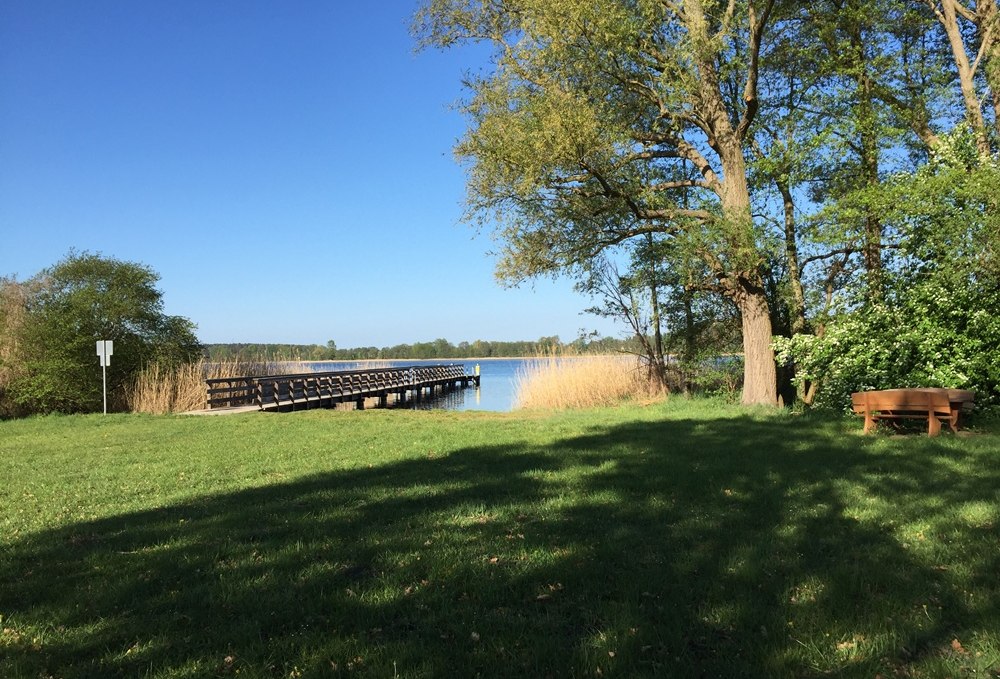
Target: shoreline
point(445, 360)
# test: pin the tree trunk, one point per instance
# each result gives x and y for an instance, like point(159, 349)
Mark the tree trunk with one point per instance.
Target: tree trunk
point(742, 255)
point(760, 377)
point(792, 259)
point(868, 118)
point(986, 30)
point(690, 340)
point(948, 16)
point(654, 302)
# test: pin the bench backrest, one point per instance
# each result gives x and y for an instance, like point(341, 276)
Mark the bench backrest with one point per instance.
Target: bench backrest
point(901, 399)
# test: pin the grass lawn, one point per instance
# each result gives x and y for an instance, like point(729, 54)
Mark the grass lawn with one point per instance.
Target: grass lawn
point(678, 539)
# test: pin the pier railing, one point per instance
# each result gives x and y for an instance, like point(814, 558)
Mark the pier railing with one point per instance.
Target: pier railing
point(324, 389)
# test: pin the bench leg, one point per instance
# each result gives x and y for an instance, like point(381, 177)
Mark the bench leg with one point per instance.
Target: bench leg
point(933, 425)
point(869, 422)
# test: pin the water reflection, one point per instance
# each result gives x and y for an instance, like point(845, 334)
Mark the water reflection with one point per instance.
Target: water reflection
point(450, 400)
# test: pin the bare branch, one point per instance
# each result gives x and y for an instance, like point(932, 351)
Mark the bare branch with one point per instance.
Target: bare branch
point(669, 214)
point(966, 13)
point(936, 9)
point(985, 47)
point(846, 252)
point(685, 151)
point(753, 70)
point(914, 112)
point(673, 7)
point(683, 184)
point(828, 255)
point(727, 18)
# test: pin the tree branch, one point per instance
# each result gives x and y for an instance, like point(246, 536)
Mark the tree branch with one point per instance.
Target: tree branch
point(827, 255)
point(685, 151)
point(682, 184)
point(966, 13)
point(673, 213)
point(753, 70)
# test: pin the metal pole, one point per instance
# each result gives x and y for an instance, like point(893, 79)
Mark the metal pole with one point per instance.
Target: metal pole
point(104, 350)
point(104, 374)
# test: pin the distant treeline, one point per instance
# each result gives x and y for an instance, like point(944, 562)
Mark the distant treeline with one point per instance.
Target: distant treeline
point(439, 348)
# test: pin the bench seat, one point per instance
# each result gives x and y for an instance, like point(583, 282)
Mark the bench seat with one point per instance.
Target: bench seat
point(934, 405)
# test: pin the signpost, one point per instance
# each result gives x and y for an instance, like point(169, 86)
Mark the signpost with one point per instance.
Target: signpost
point(104, 350)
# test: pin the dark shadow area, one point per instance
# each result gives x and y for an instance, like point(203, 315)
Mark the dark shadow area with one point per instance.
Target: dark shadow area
point(678, 548)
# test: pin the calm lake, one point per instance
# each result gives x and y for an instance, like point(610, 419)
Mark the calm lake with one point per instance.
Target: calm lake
point(496, 391)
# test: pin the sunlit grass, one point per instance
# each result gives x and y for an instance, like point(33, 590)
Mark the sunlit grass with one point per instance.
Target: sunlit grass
point(684, 538)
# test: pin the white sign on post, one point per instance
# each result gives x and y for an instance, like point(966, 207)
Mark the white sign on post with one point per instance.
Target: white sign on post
point(104, 350)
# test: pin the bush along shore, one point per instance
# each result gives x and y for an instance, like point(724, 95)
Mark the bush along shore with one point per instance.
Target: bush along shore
point(682, 538)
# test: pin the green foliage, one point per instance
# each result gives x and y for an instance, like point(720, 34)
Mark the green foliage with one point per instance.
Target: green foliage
point(931, 337)
point(939, 324)
point(69, 306)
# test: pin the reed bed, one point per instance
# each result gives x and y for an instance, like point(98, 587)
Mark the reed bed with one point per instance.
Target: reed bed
point(372, 364)
point(13, 314)
point(560, 382)
point(158, 390)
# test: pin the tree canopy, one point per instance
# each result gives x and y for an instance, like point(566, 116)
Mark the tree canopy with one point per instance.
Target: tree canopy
point(604, 121)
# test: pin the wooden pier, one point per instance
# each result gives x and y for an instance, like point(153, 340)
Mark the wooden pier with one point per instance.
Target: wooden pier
point(327, 389)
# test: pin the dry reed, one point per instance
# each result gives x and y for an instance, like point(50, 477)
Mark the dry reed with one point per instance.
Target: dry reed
point(583, 382)
point(13, 316)
point(158, 390)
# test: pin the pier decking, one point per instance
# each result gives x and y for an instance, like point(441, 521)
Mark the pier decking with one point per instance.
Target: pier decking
point(327, 389)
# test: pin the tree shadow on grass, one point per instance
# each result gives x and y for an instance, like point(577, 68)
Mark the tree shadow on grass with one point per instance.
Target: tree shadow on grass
point(676, 548)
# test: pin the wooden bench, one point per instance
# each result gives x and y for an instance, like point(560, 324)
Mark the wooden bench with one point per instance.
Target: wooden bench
point(895, 404)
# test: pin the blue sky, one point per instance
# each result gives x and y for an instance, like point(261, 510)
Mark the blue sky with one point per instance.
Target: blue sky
point(285, 167)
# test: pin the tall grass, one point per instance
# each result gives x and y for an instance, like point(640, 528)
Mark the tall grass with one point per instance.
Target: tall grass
point(563, 382)
point(159, 390)
point(13, 315)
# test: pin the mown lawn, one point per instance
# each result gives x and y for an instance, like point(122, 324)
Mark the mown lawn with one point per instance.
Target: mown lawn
point(680, 539)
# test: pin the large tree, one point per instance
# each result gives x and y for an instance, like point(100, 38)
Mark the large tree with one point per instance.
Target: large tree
point(603, 121)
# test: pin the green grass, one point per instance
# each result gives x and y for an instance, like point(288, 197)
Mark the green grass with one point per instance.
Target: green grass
point(684, 539)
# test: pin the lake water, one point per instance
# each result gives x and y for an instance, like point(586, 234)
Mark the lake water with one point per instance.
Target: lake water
point(495, 392)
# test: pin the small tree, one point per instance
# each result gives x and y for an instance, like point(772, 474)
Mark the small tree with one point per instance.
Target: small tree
point(64, 310)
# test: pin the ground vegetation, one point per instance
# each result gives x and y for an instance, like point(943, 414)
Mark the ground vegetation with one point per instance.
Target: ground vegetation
point(685, 538)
